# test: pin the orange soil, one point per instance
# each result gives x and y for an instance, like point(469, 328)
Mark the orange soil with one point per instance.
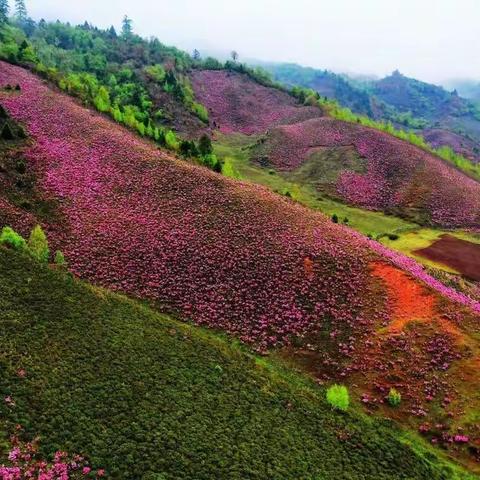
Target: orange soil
point(410, 301)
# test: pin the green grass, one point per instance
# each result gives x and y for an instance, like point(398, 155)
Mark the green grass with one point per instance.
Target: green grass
point(147, 397)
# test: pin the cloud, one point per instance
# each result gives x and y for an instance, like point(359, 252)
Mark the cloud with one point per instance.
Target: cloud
point(429, 39)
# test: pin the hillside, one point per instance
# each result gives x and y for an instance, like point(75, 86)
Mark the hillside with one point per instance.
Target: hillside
point(326, 83)
point(235, 257)
point(144, 396)
point(405, 101)
point(239, 104)
point(384, 173)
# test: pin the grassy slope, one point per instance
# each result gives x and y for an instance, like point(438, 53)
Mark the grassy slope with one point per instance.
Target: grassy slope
point(233, 150)
point(148, 397)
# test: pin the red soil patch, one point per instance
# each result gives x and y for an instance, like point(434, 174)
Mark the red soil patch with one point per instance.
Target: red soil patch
point(459, 254)
point(410, 302)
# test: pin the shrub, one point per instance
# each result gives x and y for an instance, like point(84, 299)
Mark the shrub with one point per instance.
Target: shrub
point(38, 245)
point(11, 238)
point(205, 145)
point(171, 140)
point(60, 259)
point(338, 397)
point(394, 397)
point(200, 111)
point(335, 218)
point(393, 236)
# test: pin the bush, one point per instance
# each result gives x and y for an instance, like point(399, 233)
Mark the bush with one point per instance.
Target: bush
point(11, 238)
point(335, 218)
point(171, 140)
point(60, 259)
point(393, 236)
point(38, 245)
point(394, 397)
point(338, 397)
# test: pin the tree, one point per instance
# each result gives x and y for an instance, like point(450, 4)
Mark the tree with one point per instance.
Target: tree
point(12, 239)
point(196, 55)
point(38, 245)
point(127, 29)
point(234, 55)
point(60, 259)
point(205, 145)
point(112, 33)
point(21, 10)
point(4, 9)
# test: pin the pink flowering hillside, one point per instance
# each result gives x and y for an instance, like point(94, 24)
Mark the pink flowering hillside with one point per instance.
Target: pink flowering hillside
point(236, 257)
point(397, 176)
point(226, 254)
point(238, 104)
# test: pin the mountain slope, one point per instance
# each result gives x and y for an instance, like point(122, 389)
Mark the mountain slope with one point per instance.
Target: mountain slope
point(144, 396)
point(241, 259)
point(404, 101)
point(389, 174)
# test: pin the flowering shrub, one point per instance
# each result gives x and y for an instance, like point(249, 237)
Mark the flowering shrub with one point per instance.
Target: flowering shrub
point(24, 462)
point(398, 174)
point(338, 398)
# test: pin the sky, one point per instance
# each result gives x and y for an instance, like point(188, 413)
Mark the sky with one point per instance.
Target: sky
point(432, 40)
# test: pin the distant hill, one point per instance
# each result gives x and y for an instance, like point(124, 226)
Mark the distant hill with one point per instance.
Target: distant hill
point(466, 88)
point(404, 101)
point(326, 83)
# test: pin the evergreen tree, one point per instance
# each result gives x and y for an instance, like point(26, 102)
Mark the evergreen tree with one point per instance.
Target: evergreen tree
point(21, 10)
point(112, 33)
point(38, 245)
point(196, 55)
point(127, 29)
point(205, 145)
point(4, 9)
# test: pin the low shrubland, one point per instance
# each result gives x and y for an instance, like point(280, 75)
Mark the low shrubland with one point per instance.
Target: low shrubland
point(141, 395)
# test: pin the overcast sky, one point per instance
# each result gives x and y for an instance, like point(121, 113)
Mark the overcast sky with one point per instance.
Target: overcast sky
point(432, 40)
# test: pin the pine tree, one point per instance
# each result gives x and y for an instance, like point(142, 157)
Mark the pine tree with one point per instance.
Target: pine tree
point(38, 245)
point(127, 29)
point(21, 10)
point(4, 9)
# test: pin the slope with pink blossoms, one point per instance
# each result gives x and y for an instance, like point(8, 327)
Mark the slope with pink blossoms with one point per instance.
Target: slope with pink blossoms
point(399, 178)
point(238, 258)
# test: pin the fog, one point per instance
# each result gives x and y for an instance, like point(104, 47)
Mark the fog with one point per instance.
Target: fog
point(432, 40)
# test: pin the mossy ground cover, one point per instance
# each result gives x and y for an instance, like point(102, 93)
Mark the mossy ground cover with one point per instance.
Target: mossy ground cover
point(147, 397)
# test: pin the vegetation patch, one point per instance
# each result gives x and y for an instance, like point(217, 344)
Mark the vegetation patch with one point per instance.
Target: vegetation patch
point(139, 395)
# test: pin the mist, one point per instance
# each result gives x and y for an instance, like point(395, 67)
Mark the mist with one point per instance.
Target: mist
point(433, 40)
